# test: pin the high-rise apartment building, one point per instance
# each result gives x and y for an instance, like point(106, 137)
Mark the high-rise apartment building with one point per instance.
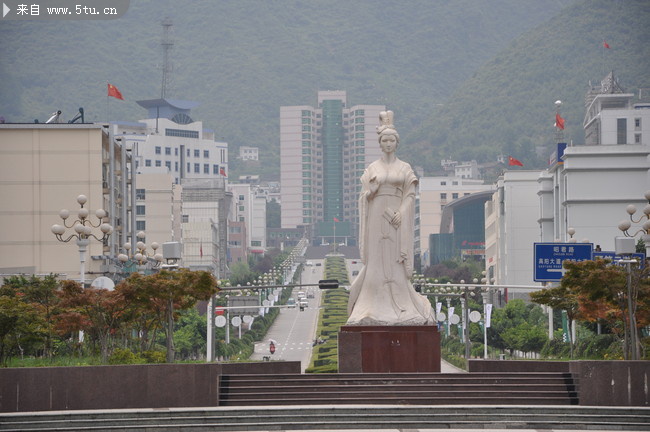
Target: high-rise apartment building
point(323, 152)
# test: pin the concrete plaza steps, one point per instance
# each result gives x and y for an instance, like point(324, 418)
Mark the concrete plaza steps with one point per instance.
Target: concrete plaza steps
point(399, 388)
point(335, 417)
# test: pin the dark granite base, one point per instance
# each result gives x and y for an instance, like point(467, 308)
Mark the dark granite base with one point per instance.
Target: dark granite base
point(389, 349)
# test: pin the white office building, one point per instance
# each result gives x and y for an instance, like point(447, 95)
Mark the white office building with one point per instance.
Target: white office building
point(590, 186)
point(511, 228)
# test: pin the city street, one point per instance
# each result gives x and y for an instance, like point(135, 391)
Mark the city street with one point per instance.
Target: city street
point(294, 331)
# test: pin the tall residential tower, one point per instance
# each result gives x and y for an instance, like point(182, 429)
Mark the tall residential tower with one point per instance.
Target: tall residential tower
point(323, 152)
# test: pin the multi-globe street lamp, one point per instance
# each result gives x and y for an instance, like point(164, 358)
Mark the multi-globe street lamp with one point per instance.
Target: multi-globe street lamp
point(140, 256)
point(83, 231)
point(625, 224)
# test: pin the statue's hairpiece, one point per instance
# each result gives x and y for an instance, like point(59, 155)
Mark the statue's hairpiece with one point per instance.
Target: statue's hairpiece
point(385, 122)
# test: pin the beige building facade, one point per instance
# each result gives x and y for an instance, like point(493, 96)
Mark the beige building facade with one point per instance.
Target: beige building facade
point(43, 168)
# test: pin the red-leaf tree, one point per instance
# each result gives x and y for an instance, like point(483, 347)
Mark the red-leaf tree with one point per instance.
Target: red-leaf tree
point(98, 312)
point(163, 293)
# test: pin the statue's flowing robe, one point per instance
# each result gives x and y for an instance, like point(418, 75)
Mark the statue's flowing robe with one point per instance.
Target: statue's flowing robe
point(382, 293)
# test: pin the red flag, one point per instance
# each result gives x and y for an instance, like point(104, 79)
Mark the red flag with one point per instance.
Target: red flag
point(113, 91)
point(559, 122)
point(512, 161)
point(605, 45)
point(222, 172)
point(336, 220)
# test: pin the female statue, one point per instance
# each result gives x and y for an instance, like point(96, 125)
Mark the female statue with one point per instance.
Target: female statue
point(382, 293)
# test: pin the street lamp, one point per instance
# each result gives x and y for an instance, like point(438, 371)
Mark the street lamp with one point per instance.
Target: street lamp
point(140, 256)
point(625, 224)
point(83, 231)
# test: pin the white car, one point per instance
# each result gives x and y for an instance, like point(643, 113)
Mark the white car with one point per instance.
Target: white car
point(291, 302)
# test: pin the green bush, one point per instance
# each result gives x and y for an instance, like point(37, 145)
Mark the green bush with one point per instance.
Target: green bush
point(124, 356)
point(154, 356)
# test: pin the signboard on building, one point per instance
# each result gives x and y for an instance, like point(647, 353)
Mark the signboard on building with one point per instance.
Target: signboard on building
point(549, 258)
point(556, 156)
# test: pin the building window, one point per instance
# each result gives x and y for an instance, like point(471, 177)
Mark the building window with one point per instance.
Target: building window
point(443, 196)
point(176, 151)
point(443, 183)
point(158, 163)
point(185, 218)
point(157, 149)
point(182, 133)
point(176, 166)
point(147, 162)
point(197, 153)
point(621, 131)
point(637, 138)
point(168, 164)
point(241, 208)
point(188, 167)
point(454, 196)
point(140, 210)
point(140, 194)
point(256, 243)
point(454, 183)
point(168, 151)
point(197, 168)
point(215, 169)
point(637, 123)
point(206, 153)
point(140, 225)
point(206, 168)
point(188, 152)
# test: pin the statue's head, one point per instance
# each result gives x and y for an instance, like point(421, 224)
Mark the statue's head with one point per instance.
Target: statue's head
point(386, 126)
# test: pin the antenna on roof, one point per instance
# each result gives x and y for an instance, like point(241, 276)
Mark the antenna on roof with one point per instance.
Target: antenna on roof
point(167, 45)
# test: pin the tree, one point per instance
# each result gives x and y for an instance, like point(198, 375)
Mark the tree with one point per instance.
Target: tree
point(602, 290)
point(167, 291)
point(98, 312)
point(40, 293)
point(559, 297)
point(19, 323)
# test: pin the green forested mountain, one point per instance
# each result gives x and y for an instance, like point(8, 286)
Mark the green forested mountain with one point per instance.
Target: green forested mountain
point(507, 106)
point(466, 78)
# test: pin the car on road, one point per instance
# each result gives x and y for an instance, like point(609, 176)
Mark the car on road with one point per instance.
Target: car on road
point(304, 304)
point(291, 302)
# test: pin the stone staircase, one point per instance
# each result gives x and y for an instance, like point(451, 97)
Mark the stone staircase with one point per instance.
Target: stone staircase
point(533, 388)
point(404, 417)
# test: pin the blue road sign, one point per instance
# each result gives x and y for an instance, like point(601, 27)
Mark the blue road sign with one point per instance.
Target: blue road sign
point(550, 256)
point(640, 257)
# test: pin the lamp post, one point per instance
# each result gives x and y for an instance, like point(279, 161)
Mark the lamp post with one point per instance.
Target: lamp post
point(625, 224)
point(140, 256)
point(83, 231)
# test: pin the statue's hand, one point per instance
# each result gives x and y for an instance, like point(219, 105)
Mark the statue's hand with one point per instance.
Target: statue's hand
point(396, 221)
point(373, 184)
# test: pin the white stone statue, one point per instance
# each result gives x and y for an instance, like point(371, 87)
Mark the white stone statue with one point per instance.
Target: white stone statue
point(382, 293)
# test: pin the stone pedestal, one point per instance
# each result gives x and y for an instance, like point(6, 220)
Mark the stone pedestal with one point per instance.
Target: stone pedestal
point(389, 349)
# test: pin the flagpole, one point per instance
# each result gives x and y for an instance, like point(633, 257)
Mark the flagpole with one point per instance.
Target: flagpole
point(107, 116)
